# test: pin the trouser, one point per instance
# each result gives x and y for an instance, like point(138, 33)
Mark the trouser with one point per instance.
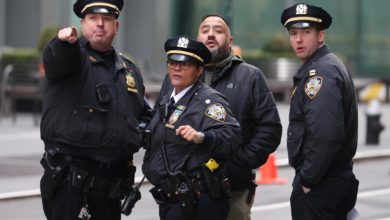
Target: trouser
point(68, 191)
point(241, 203)
point(331, 199)
point(207, 208)
point(67, 202)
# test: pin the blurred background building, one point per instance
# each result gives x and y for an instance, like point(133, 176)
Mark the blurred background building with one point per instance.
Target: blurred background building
point(360, 34)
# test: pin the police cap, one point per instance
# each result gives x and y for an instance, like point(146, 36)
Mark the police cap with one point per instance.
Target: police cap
point(185, 49)
point(303, 15)
point(82, 7)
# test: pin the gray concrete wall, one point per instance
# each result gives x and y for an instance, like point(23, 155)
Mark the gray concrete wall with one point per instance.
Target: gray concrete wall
point(22, 26)
point(145, 25)
point(2, 24)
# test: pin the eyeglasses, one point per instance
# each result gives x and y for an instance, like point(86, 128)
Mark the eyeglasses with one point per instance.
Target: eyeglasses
point(182, 64)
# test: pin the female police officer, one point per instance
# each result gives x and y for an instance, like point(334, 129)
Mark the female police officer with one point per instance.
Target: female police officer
point(192, 136)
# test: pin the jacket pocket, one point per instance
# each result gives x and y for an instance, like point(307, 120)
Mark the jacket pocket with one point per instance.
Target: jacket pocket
point(295, 137)
point(88, 126)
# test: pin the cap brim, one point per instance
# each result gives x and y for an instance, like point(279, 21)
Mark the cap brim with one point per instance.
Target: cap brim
point(101, 10)
point(182, 58)
point(301, 25)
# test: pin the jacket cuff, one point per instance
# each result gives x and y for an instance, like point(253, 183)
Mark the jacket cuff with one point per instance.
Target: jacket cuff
point(208, 139)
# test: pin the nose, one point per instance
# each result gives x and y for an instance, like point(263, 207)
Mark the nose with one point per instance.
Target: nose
point(100, 21)
point(298, 37)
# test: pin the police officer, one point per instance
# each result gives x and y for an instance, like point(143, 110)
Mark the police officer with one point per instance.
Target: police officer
point(192, 137)
point(93, 104)
point(252, 103)
point(322, 132)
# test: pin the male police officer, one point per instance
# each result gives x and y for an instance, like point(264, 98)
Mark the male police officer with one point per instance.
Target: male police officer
point(322, 133)
point(93, 104)
point(192, 137)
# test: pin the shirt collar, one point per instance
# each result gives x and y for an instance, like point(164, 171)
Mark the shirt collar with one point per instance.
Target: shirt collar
point(180, 95)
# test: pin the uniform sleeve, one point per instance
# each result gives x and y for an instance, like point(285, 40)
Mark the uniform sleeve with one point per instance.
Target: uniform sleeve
point(222, 133)
point(325, 126)
point(266, 127)
point(61, 59)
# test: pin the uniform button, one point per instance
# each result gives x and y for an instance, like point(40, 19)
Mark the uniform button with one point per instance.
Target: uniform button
point(90, 110)
point(289, 133)
point(78, 177)
point(74, 112)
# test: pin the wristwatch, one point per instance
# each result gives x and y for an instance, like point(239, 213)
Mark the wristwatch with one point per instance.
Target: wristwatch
point(201, 135)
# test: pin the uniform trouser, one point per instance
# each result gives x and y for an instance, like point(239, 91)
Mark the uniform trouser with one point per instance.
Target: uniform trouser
point(207, 208)
point(331, 199)
point(239, 208)
point(66, 203)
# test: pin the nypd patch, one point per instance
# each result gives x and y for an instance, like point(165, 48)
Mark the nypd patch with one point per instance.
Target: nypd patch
point(313, 86)
point(216, 111)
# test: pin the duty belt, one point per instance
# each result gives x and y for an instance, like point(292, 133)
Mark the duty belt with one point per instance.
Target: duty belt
point(99, 169)
point(171, 189)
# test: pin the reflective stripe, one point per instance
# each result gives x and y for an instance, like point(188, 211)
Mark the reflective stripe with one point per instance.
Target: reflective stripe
point(303, 19)
point(99, 4)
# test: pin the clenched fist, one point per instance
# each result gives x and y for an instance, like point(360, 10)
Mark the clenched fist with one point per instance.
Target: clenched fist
point(190, 134)
point(68, 34)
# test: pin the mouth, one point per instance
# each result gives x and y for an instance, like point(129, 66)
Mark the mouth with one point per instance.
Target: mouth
point(175, 76)
point(300, 49)
point(99, 33)
point(211, 43)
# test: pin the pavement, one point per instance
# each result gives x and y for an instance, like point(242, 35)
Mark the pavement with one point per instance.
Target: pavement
point(21, 150)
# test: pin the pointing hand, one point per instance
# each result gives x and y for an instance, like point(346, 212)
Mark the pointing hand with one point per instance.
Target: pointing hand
point(68, 34)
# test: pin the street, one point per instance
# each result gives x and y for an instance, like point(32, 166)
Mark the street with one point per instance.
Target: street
point(21, 149)
point(271, 201)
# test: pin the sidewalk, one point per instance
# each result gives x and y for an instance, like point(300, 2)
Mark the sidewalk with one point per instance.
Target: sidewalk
point(21, 149)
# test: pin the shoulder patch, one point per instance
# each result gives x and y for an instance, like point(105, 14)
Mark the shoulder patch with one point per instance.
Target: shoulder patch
point(216, 111)
point(313, 86)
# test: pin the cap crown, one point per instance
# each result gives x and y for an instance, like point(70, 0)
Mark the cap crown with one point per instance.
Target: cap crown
point(304, 15)
point(188, 49)
point(81, 7)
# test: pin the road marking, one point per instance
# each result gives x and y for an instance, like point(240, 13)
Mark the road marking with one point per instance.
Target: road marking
point(374, 193)
point(287, 204)
point(20, 136)
point(271, 207)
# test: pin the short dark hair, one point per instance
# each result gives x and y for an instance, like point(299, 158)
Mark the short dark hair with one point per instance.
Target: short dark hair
point(215, 15)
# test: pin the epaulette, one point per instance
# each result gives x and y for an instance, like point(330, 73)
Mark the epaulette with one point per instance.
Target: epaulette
point(131, 60)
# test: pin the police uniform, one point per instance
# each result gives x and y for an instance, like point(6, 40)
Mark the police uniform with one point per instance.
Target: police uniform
point(92, 106)
point(174, 165)
point(322, 132)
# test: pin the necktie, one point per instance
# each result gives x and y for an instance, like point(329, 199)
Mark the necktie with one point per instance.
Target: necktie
point(171, 106)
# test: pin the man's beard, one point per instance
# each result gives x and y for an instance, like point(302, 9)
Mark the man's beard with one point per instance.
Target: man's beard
point(220, 54)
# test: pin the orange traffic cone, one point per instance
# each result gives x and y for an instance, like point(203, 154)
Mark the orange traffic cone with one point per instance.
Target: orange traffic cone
point(268, 173)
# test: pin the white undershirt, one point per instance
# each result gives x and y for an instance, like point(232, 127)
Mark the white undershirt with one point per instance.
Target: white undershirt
point(180, 95)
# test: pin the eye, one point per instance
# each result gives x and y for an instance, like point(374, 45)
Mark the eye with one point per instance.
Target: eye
point(219, 30)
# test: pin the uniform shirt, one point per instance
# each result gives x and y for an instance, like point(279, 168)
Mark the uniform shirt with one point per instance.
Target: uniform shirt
point(322, 132)
point(205, 110)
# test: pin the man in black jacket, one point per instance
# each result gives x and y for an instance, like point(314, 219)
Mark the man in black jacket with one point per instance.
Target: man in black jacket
point(322, 132)
point(253, 105)
point(93, 103)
